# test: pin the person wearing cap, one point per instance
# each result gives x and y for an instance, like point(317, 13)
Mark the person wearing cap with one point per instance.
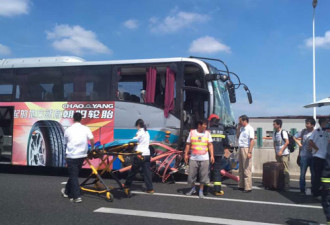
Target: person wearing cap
point(220, 146)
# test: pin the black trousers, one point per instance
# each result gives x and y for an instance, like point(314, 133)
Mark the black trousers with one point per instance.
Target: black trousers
point(220, 163)
point(317, 168)
point(326, 200)
point(72, 188)
point(136, 165)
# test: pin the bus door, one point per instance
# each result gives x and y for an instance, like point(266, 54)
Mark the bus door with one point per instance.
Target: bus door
point(6, 133)
point(195, 107)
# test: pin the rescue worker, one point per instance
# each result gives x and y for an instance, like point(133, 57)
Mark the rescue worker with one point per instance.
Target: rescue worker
point(199, 142)
point(325, 178)
point(326, 185)
point(220, 146)
point(143, 138)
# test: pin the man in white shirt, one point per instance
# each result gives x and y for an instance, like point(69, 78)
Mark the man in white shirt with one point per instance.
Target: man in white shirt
point(304, 159)
point(245, 135)
point(76, 138)
point(319, 142)
point(282, 153)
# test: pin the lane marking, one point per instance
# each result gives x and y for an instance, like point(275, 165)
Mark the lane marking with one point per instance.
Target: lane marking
point(211, 185)
point(174, 216)
point(307, 180)
point(224, 185)
point(231, 200)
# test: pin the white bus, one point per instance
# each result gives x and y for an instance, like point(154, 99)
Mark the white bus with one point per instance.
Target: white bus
point(38, 97)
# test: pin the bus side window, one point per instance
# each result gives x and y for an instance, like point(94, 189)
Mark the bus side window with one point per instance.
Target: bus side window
point(193, 76)
point(6, 85)
point(38, 84)
point(134, 86)
point(131, 80)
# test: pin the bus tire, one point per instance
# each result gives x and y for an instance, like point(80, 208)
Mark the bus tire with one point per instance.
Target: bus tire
point(46, 144)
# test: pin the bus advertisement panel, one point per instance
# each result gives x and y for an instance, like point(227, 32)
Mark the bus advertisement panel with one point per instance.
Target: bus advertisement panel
point(39, 127)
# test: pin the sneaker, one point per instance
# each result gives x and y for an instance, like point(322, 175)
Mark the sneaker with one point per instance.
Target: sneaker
point(150, 191)
point(76, 200)
point(127, 192)
point(219, 193)
point(201, 194)
point(63, 193)
point(191, 192)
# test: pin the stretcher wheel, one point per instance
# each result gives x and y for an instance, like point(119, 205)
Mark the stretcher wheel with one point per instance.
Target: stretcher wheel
point(109, 197)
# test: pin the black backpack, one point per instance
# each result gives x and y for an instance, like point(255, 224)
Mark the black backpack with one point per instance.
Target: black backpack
point(292, 143)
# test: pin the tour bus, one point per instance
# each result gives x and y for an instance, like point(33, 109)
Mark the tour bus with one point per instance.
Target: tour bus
point(38, 97)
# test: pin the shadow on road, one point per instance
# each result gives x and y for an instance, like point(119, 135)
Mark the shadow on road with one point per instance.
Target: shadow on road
point(294, 195)
point(291, 221)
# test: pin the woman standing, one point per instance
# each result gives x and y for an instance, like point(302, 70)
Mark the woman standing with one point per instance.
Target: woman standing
point(143, 138)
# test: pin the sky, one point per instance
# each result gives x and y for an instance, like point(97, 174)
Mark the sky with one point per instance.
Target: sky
point(267, 43)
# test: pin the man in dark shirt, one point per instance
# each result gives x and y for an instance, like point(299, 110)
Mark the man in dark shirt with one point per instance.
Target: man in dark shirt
point(325, 179)
point(220, 146)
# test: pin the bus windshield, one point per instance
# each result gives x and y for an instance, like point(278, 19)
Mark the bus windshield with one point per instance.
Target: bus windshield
point(222, 105)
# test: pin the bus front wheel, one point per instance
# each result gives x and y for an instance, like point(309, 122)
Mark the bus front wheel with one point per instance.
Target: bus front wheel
point(46, 144)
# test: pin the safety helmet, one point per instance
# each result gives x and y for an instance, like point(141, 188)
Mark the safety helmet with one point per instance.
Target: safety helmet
point(213, 116)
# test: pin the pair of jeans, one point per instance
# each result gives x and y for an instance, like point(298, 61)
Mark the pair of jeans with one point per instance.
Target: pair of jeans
point(72, 188)
point(305, 162)
point(317, 168)
point(139, 162)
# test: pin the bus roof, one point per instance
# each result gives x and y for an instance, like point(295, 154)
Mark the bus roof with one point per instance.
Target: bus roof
point(76, 61)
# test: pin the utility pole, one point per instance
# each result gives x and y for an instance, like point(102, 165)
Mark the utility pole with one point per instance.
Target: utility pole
point(314, 85)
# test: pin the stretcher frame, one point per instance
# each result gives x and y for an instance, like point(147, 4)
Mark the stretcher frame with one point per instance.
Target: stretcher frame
point(103, 155)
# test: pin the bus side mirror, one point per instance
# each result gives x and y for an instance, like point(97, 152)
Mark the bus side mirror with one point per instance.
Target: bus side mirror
point(248, 94)
point(231, 91)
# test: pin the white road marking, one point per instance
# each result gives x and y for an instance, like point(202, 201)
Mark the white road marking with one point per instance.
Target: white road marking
point(307, 180)
point(63, 182)
point(223, 185)
point(211, 185)
point(231, 200)
point(174, 216)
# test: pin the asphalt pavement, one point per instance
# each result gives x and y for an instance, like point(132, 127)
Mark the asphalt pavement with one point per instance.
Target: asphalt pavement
point(36, 199)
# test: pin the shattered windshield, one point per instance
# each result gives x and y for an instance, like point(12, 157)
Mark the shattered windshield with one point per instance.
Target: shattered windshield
point(222, 105)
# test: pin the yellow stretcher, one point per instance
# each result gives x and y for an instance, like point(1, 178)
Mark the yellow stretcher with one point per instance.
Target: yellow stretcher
point(106, 154)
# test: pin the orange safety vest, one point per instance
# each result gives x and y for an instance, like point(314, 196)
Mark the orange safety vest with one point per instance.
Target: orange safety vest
point(199, 144)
